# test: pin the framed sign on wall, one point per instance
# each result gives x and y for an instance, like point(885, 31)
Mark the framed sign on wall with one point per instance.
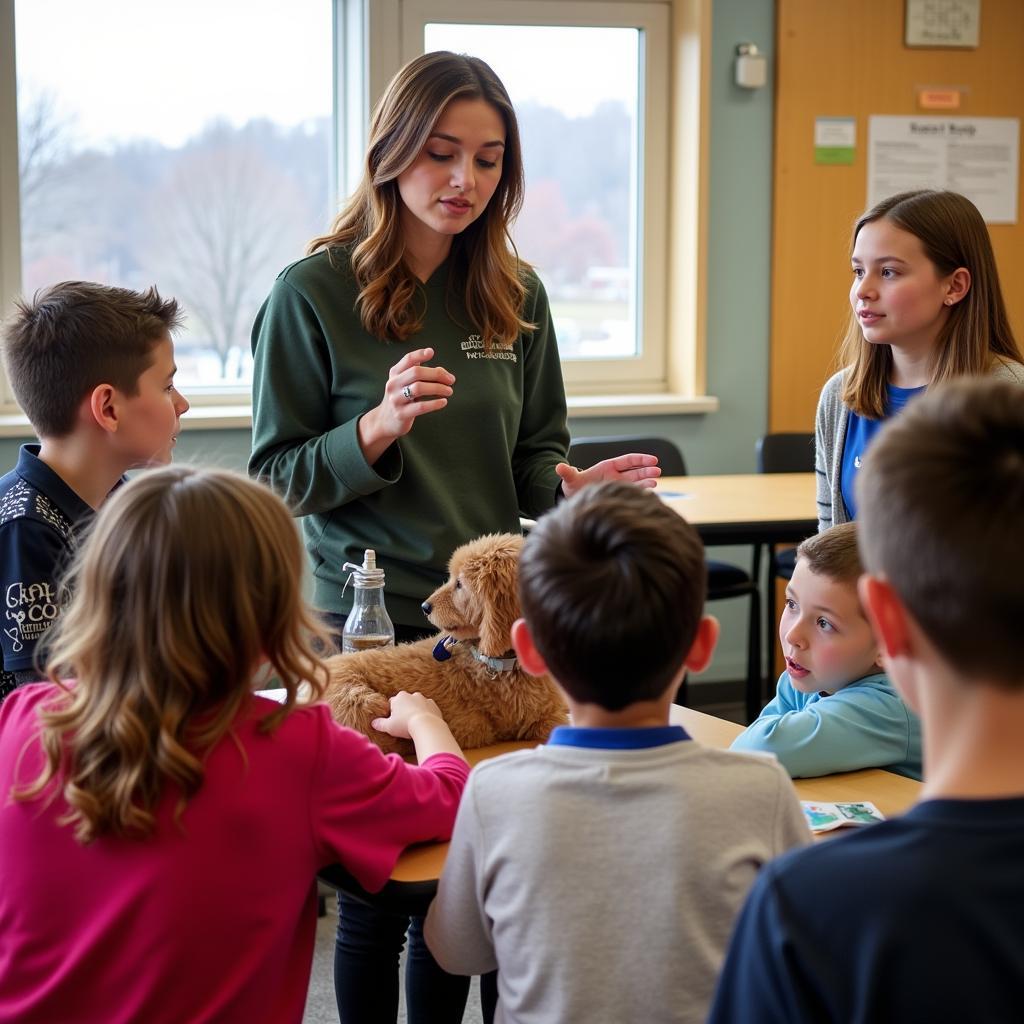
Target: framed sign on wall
point(942, 23)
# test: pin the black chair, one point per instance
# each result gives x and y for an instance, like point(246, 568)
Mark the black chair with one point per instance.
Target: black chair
point(724, 579)
point(781, 453)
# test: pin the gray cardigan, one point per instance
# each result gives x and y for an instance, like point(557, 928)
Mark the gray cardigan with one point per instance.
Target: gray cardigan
point(830, 438)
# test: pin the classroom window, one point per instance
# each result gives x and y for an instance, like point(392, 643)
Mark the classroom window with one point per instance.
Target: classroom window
point(578, 123)
point(581, 77)
point(189, 149)
point(200, 150)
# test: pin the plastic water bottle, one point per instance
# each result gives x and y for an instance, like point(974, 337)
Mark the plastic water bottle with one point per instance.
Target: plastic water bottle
point(368, 624)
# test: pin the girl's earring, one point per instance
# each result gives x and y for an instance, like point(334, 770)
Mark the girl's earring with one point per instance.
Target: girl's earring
point(948, 302)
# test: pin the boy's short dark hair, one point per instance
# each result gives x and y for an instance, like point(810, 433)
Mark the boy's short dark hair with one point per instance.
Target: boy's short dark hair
point(76, 335)
point(941, 499)
point(833, 553)
point(612, 586)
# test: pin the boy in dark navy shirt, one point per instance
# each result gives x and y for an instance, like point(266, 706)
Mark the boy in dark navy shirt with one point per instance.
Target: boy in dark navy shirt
point(93, 369)
point(920, 918)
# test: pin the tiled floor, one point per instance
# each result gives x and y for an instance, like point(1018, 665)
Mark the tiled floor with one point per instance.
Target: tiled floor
point(321, 1007)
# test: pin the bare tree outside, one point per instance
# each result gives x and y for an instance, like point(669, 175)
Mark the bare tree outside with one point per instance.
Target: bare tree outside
point(212, 220)
point(222, 226)
point(46, 142)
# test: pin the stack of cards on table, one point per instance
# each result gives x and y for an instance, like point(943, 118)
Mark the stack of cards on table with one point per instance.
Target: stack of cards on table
point(825, 817)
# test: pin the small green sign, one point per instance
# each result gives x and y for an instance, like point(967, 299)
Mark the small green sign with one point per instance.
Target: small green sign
point(833, 154)
point(835, 140)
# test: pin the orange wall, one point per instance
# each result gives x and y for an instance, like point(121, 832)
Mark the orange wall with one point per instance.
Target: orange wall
point(842, 59)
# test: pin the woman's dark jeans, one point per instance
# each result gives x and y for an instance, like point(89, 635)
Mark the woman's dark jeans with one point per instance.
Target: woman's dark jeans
point(366, 954)
point(369, 943)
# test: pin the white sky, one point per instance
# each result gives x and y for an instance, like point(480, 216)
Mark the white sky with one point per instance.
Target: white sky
point(136, 68)
point(572, 69)
point(127, 69)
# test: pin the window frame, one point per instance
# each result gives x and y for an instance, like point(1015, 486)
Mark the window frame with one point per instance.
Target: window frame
point(368, 49)
point(10, 212)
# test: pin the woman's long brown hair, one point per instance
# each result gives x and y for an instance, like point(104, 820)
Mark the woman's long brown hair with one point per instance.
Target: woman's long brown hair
point(189, 581)
point(484, 263)
point(977, 331)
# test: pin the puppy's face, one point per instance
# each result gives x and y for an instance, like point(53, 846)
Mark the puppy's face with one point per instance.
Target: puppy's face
point(479, 601)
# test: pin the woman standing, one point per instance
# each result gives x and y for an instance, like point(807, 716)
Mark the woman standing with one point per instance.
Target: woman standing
point(926, 306)
point(407, 397)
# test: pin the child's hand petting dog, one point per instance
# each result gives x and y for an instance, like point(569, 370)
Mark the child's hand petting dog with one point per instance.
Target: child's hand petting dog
point(405, 706)
point(417, 718)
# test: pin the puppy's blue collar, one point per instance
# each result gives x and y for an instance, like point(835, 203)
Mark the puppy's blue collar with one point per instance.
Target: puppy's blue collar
point(443, 648)
point(443, 651)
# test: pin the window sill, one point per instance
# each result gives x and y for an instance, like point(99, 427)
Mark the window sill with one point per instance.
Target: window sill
point(239, 417)
point(199, 417)
point(14, 424)
point(592, 406)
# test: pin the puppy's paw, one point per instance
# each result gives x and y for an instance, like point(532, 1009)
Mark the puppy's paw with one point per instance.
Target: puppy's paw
point(377, 706)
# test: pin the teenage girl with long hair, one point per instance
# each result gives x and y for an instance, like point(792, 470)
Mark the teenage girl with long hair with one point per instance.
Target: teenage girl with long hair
point(161, 824)
point(926, 306)
point(407, 397)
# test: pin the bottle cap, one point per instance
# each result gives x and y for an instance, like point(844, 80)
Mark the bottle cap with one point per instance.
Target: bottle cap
point(367, 574)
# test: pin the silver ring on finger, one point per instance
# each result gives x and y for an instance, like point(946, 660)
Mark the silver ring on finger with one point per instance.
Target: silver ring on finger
point(407, 393)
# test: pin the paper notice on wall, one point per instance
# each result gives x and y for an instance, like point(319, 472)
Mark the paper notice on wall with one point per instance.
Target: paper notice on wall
point(977, 156)
point(835, 140)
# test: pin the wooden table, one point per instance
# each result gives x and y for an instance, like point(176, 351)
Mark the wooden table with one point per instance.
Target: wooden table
point(414, 879)
point(748, 508)
point(744, 508)
point(892, 794)
point(757, 509)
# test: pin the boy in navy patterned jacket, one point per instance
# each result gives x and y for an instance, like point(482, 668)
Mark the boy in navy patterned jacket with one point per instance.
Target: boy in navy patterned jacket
point(93, 369)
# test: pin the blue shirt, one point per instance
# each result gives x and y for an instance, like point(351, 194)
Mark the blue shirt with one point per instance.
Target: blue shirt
point(860, 432)
point(616, 739)
point(864, 725)
point(40, 516)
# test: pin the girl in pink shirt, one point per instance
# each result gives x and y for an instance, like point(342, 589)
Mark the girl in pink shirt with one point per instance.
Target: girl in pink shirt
point(161, 825)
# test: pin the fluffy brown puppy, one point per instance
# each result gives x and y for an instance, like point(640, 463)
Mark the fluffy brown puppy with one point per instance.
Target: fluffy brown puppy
point(482, 692)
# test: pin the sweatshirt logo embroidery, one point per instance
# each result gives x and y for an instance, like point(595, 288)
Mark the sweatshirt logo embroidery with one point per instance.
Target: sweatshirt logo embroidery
point(473, 348)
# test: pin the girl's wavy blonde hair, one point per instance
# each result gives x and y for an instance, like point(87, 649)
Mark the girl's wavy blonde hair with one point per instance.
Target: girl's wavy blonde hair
point(484, 261)
point(977, 330)
point(189, 580)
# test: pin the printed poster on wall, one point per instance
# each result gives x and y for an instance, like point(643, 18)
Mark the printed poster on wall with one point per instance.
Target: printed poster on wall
point(977, 156)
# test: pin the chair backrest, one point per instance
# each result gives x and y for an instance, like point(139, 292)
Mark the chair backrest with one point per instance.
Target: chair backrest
point(585, 452)
point(785, 453)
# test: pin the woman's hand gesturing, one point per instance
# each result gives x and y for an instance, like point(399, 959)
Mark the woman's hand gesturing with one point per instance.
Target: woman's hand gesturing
point(635, 468)
point(412, 390)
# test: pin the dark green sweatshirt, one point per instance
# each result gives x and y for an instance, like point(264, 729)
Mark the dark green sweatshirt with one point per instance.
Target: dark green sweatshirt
point(468, 469)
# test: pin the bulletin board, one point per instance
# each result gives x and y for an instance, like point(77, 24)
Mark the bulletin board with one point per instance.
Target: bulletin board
point(844, 60)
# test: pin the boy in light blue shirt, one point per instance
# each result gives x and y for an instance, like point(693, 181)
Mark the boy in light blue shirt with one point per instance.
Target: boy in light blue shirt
point(834, 709)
